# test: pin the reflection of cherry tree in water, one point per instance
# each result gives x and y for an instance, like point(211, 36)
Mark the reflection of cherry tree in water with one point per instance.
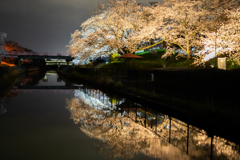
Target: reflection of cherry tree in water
point(199, 142)
point(121, 136)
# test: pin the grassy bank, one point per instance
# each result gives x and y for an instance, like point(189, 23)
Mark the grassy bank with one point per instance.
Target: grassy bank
point(11, 76)
point(154, 59)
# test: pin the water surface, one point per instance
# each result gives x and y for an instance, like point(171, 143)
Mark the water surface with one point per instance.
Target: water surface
point(44, 117)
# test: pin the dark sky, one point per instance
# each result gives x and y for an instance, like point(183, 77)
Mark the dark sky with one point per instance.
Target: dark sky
point(45, 25)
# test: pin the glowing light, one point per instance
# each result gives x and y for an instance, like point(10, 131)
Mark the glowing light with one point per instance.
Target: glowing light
point(8, 64)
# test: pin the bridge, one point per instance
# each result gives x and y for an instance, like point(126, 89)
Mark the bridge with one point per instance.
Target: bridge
point(67, 88)
point(37, 55)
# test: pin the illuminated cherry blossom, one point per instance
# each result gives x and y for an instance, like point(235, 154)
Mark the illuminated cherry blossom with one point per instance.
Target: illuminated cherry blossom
point(121, 25)
point(119, 28)
point(180, 22)
point(226, 39)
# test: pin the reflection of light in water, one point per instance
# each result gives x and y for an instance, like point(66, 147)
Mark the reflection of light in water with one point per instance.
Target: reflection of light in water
point(93, 102)
point(93, 99)
point(123, 137)
point(51, 78)
point(51, 72)
point(77, 84)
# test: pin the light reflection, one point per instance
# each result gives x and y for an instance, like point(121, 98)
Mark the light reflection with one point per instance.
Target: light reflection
point(121, 136)
point(126, 131)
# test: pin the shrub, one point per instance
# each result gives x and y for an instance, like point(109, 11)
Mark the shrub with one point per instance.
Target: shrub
point(113, 57)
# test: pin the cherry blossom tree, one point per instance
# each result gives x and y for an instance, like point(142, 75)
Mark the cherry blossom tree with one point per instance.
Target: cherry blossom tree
point(119, 28)
point(225, 40)
point(230, 35)
point(181, 22)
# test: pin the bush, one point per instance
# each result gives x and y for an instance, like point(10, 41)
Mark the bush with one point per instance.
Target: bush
point(113, 57)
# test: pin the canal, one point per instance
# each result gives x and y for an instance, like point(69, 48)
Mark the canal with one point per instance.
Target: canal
point(45, 117)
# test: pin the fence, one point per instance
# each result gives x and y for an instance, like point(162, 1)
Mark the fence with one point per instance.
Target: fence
point(201, 86)
point(188, 138)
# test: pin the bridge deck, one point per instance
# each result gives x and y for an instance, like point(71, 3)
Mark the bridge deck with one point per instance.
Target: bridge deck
point(37, 54)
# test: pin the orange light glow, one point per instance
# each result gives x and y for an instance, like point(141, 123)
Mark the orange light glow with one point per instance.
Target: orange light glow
point(9, 64)
point(13, 47)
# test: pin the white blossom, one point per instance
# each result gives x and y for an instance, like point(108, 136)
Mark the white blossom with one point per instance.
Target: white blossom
point(120, 27)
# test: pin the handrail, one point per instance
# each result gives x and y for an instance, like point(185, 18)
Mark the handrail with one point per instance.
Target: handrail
point(149, 46)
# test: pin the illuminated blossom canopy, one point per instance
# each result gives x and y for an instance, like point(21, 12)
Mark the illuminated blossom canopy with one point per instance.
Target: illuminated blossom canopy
point(223, 40)
point(181, 22)
point(121, 25)
point(119, 28)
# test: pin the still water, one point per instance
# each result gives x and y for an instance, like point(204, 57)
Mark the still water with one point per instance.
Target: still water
point(45, 117)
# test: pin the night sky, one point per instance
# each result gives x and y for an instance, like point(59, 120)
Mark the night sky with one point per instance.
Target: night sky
point(45, 25)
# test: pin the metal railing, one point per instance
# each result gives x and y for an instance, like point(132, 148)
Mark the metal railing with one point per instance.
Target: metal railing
point(17, 53)
point(201, 87)
point(184, 136)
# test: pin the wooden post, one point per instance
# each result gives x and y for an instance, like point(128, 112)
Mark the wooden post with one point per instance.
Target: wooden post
point(170, 129)
point(211, 154)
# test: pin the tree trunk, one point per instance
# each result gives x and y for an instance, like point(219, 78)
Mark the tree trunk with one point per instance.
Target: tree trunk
point(120, 52)
point(125, 50)
point(188, 51)
point(189, 56)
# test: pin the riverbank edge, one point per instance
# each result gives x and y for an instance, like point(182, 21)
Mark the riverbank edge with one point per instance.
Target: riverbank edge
point(210, 124)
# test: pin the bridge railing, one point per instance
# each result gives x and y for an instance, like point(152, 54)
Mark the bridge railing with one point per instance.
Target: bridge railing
point(36, 53)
